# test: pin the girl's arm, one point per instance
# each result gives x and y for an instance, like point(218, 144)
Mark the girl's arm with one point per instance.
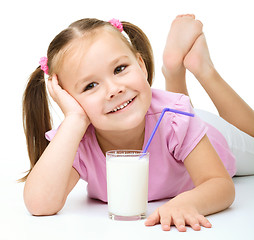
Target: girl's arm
point(53, 176)
point(230, 105)
point(214, 192)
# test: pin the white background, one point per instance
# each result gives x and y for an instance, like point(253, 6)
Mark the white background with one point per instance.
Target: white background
point(27, 27)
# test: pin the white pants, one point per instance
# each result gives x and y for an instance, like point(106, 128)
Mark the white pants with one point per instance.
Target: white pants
point(240, 143)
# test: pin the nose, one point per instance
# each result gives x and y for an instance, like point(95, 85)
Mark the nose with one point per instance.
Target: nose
point(113, 89)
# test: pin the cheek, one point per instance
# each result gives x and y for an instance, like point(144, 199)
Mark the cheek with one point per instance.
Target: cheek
point(148, 95)
point(137, 78)
point(89, 105)
point(143, 84)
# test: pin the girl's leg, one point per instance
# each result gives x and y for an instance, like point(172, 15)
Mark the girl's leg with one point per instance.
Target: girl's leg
point(182, 35)
point(241, 144)
point(229, 105)
point(186, 48)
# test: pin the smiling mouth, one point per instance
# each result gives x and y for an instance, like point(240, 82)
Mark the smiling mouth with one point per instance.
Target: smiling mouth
point(122, 106)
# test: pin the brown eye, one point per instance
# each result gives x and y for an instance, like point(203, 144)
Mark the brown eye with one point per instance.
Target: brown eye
point(119, 69)
point(90, 86)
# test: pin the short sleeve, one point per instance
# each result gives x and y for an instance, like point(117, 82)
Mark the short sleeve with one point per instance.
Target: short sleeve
point(187, 131)
point(77, 164)
point(50, 134)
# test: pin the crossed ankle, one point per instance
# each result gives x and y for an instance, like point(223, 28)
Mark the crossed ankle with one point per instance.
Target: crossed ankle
point(176, 72)
point(172, 62)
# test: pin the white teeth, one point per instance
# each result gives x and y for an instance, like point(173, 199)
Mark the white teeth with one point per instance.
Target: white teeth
point(122, 106)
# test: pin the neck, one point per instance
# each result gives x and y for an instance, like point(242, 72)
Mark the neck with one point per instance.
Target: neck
point(128, 139)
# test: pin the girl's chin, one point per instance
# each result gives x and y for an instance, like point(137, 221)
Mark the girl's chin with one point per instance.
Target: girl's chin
point(121, 126)
point(121, 122)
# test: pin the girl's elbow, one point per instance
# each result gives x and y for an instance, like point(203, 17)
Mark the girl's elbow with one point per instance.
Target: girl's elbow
point(38, 213)
point(40, 207)
point(233, 192)
point(230, 192)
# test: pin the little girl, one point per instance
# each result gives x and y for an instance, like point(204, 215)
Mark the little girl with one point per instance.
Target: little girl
point(100, 75)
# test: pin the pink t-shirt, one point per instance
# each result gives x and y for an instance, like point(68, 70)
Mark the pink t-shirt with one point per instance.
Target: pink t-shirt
point(175, 138)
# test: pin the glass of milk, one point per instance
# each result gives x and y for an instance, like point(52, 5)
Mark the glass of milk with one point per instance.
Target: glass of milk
point(127, 184)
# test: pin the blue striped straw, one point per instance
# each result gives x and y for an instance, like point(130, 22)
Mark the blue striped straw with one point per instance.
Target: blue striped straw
point(158, 122)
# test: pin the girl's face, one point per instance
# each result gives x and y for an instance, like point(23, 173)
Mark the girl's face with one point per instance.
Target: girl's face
point(108, 81)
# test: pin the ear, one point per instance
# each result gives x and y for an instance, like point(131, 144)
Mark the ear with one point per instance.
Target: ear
point(142, 64)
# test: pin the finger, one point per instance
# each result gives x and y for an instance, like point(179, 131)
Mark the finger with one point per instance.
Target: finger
point(54, 79)
point(165, 223)
point(179, 222)
point(199, 22)
point(193, 222)
point(204, 222)
point(49, 85)
point(58, 91)
point(55, 85)
point(51, 92)
point(153, 219)
point(190, 15)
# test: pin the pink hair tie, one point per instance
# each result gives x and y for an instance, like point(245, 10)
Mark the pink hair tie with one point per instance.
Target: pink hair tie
point(43, 62)
point(116, 23)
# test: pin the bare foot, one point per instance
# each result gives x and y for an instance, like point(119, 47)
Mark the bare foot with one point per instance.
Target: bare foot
point(198, 59)
point(182, 35)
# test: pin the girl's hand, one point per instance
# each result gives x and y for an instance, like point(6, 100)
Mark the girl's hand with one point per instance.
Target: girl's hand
point(64, 100)
point(178, 214)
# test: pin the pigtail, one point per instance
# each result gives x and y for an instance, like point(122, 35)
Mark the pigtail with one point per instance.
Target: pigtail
point(142, 45)
point(36, 117)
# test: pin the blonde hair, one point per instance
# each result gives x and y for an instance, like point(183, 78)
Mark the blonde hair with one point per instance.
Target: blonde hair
point(36, 114)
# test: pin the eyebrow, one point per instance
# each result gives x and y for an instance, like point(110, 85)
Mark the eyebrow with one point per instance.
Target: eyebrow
point(118, 59)
point(112, 63)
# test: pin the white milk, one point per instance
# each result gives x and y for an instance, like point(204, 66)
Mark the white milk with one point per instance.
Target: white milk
point(127, 185)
